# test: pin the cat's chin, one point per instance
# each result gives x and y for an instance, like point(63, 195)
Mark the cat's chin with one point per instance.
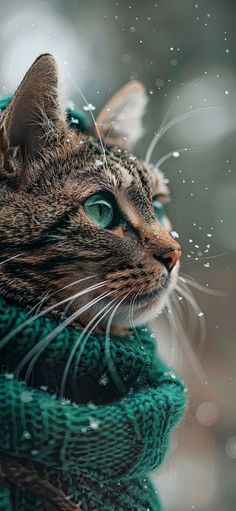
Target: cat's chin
point(149, 307)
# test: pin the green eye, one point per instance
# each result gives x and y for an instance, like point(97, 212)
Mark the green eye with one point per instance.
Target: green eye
point(158, 209)
point(99, 209)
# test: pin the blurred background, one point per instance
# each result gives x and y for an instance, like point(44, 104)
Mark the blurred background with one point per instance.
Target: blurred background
point(184, 53)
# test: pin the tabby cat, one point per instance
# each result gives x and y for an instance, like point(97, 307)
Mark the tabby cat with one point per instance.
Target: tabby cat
point(78, 230)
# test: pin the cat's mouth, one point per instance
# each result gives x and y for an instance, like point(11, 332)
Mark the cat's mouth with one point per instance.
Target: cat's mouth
point(149, 303)
point(154, 294)
point(149, 296)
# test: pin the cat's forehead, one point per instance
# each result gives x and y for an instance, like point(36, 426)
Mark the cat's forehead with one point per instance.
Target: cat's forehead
point(113, 166)
point(86, 165)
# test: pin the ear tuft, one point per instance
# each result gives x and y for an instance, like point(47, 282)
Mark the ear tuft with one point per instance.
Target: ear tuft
point(120, 121)
point(34, 116)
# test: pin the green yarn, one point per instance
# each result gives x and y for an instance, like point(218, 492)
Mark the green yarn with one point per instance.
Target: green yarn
point(100, 450)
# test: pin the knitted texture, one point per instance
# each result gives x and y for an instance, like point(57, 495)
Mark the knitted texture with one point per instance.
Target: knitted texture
point(98, 452)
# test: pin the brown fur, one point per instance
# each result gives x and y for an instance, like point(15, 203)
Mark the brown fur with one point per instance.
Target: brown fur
point(46, 174)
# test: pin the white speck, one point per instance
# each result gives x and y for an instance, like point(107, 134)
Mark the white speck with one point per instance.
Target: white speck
point(34, 452)
point(103, 380)
point(176, 154)
point(92, 406)
point(209, 235)
point(180, 298)
point(133, 158)
point(207, 265)
point(227, 50)
point(89, 107)
point(9, 376)
point(174, 234)
point(44, 388)
point(26, 435)
point(200, 314)
point(226, 92)
point(94, 424)
point(171, 48)
point(98, 163)
point(26, 397)
point(190, 241)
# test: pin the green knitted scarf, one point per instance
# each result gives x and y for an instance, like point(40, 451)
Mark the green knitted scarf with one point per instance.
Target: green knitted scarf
point(99, 452)
point(96, 449)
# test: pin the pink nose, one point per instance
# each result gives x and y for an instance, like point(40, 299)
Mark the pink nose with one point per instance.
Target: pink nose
point(171, 258)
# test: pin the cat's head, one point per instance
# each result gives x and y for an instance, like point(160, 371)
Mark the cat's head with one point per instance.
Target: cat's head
point(76, 210)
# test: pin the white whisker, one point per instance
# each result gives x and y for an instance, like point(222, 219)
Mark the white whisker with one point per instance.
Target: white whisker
point(91, 113)
point(79, 341)
point(10, 259)
point(179, 118)
point(111, 366)
point(18, 329)
point(190, 282)
point(38, 304)
point(120, 112)
point(172, 154)
point(198, 318)
point(181, 335)
point(38, 348)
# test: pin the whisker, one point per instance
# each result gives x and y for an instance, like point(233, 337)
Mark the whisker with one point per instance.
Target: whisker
point(179, 118)
point(173, 154)
point(199, 259)
point(10, 258)
point(200, 320)
point(186, 279)
point(38, 304)
point(40, 347)
point(111, 366)
point(181, 335)
point(91, 113)
point(120, 112)
point(81, 338)
point(18, 329)
point(174, 349)
point(131, 317)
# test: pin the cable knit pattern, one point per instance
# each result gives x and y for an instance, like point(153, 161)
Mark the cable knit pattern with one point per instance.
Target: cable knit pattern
point(99, 451)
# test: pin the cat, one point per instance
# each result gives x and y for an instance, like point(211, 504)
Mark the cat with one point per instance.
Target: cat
point(77, 221)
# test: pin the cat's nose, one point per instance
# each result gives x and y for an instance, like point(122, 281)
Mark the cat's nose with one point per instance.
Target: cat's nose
point(169, 258)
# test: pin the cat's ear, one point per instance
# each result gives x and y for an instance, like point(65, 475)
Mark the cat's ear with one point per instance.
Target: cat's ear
point(120, 121)
point(34, 118)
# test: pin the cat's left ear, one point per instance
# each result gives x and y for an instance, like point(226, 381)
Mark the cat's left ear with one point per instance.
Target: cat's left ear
point(120, 121)
point(35, 118)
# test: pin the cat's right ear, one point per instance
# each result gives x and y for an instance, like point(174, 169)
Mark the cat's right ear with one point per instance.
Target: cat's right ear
point(35, 117)
point(120, 121)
